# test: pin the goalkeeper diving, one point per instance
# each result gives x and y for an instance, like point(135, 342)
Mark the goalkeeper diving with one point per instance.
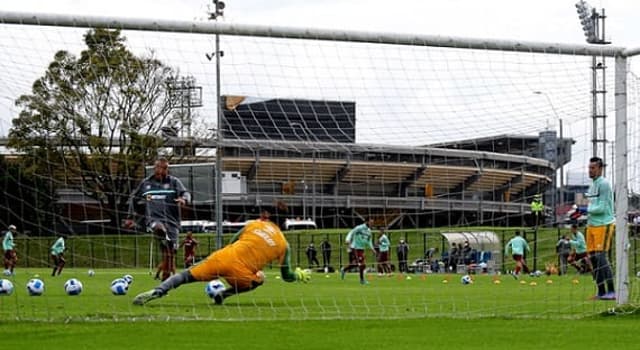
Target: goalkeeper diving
point(240, 263)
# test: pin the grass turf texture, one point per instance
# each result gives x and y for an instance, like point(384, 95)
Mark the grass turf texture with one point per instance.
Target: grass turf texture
point(494, 333)
point(327, 313)
point(326, 297)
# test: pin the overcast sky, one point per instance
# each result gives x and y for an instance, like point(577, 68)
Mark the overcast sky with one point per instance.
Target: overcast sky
point(552, 21)
point(541, 20)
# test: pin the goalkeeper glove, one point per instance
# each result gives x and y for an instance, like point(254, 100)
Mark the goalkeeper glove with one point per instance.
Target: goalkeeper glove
point(302, 275)
point(578, 213)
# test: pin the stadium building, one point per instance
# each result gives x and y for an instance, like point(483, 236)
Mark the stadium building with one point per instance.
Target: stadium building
point(300, 156)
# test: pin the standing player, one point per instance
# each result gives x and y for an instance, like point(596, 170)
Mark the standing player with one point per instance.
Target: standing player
point(518, 246)
point(240, 263)
point(57, 255)
point(10, 256)
point(384, 244)
point(358, 240)
point(563, 248)
point(163, 195)
point(403, 253)
point(190, 244)
point(600, 229)
point(325, 246)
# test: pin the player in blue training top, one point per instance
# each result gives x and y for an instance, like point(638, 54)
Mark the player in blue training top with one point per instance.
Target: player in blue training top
point(162, 195)
point(518, 246)
point(358, 240)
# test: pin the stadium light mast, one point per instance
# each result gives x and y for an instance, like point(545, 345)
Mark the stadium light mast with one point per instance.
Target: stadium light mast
point(218, 11)
point(184, 95)
point(592, 22)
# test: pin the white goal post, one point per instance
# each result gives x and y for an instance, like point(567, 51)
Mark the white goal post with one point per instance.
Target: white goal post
point(619, 54)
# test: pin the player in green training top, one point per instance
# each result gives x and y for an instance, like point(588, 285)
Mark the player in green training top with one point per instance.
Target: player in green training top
point(518, 246)
point(600, 229)
point(384, 268)
point(358, 240)
point(57, 255)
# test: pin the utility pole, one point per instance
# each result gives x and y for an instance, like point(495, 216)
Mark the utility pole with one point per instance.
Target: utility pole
point(218, 11)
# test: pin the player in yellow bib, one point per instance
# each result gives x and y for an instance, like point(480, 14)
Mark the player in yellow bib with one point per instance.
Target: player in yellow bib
point(240, 263)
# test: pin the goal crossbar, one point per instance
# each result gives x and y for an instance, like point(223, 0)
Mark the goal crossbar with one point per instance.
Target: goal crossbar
point(143, 24)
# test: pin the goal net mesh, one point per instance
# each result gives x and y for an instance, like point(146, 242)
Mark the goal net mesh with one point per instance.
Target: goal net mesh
point(439, 146)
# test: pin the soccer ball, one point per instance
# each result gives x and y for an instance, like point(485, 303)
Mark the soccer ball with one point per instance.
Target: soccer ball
point(35, 286)
point(73, 287)
point(466, 279)
point(91, 273)
point(638, 274)
point(6, 287)
point(128, 279)
point(536, 273)
point(119, 286)
point(260, 276)
point(214, 288)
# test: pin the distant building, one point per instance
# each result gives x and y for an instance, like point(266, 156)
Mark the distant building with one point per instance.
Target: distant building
point(577, 178)
point(280, 119)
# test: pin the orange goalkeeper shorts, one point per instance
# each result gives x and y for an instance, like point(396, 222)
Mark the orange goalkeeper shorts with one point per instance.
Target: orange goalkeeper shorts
point(226, 264)
point(599, 237)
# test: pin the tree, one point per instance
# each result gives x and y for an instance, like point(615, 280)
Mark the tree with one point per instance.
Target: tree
point(26, 199)
point(92, 122)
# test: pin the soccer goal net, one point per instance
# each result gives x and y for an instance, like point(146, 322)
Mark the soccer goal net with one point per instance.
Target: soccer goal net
point(450, 146)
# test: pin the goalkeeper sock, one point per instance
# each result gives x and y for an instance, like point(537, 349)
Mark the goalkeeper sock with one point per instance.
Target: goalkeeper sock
point(175, 281)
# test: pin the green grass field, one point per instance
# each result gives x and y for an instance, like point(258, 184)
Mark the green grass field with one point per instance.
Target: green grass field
point(325, 313)
point(326, 297)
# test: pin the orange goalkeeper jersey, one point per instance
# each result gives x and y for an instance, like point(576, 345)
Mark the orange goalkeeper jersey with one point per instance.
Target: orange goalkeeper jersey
point(258, 244)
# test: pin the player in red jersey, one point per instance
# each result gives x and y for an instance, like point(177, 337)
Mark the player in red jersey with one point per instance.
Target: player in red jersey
point(190, 244)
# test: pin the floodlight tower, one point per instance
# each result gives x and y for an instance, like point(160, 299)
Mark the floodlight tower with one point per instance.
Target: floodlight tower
point(215, 14)
point(593, 26)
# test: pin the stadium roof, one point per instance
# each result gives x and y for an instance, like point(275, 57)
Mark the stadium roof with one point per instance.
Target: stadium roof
point(283, 119)
point(526, 145)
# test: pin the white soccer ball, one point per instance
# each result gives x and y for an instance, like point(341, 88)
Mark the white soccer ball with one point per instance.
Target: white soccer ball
point(73, 287)
point(214, 288)
point(128, 278)
point(466, 279)
point(119, 286)
point(260, 276)
point(6, 287)
point(638, 274)
point(91, 273)
point(35, 287)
